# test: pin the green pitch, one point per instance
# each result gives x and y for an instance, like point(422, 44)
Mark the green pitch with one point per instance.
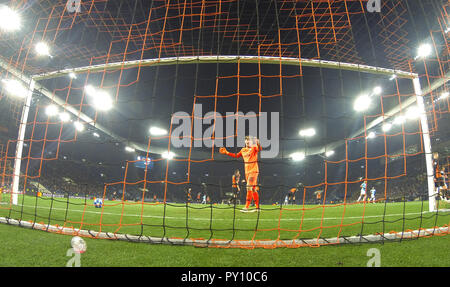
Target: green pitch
point(225, 222)
point(34, 248)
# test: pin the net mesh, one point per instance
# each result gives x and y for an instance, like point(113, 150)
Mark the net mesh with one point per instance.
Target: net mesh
point(211, 65)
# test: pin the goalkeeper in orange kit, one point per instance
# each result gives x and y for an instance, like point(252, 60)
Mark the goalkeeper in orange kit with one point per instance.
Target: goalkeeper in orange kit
point(250, 155)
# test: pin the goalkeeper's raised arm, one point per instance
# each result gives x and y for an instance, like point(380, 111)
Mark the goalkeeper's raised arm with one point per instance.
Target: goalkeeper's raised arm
point(224, 151)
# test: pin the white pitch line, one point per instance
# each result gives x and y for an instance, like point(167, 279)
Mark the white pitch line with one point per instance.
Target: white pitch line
point(238, 219)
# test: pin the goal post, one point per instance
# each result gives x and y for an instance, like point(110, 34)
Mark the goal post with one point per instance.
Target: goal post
point(426, 143)
point(217, 59)
point(20, 142)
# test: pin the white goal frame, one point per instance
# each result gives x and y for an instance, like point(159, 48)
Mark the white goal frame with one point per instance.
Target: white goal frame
point(32, 84)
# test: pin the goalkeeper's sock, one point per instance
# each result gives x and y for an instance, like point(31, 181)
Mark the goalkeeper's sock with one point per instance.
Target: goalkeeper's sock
point(249, 199)
point(256, 199)
point(255, 196)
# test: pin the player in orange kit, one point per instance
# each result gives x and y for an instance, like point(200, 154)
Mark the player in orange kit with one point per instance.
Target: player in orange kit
point(250, 155)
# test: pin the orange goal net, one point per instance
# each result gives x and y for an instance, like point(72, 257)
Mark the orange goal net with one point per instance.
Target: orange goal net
point(117, 118)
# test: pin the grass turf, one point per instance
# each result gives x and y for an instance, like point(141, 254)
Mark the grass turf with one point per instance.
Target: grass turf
point(32, 248)
point(224, 222)
point(25, 247)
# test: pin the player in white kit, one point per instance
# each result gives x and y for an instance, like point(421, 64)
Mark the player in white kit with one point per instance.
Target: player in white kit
point(372, 194)
point(363, 191)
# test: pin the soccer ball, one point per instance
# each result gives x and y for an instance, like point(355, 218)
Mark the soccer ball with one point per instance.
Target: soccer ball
point(98, 203)
point(78, 244)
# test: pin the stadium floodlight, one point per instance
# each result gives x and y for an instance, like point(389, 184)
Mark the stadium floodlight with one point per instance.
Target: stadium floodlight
point(9, 19)
point(377, 90)
point(129, 149)
point(155, 131)
point(51, 110)
point(90, 90)
point(424, 51)
point(14, 88)
point(412, 113)
point(393, 77)
point(78, 126)
point(307, 132)
point(297, 156)
point(96, 135)
point(371, 135)
point(387, 127)
point(72, 75)
point(399, 120)
point(42, 49)
point(444, 95)
point(64, 117)
point(329, 153)
point(168, 155)
point(102, 101)
point(362, 103)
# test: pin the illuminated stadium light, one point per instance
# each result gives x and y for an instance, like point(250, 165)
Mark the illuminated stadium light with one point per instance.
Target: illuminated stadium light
point(146, 161)
point(424, 51)
point(51, 110)
point(42, 49)
point(96, 135)
point(90, 90)
point(444, 95)
point(129, 149)
point(155, 131)
point(64, 117)
point(79, 126)
point(297, 156)
point(393, 77)
point(72, 75)
point(307, 132)
point(371, 135)
point(14, 88)
point(412, 113)
point(168, 155)
point(101, 99)
point(329, 153)
point(362, 103)
point(9, 19)
point(377, 90)
point(399, 120)
point(387, 127)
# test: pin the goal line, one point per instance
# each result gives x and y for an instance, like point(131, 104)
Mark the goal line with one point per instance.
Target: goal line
point(231, 243)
